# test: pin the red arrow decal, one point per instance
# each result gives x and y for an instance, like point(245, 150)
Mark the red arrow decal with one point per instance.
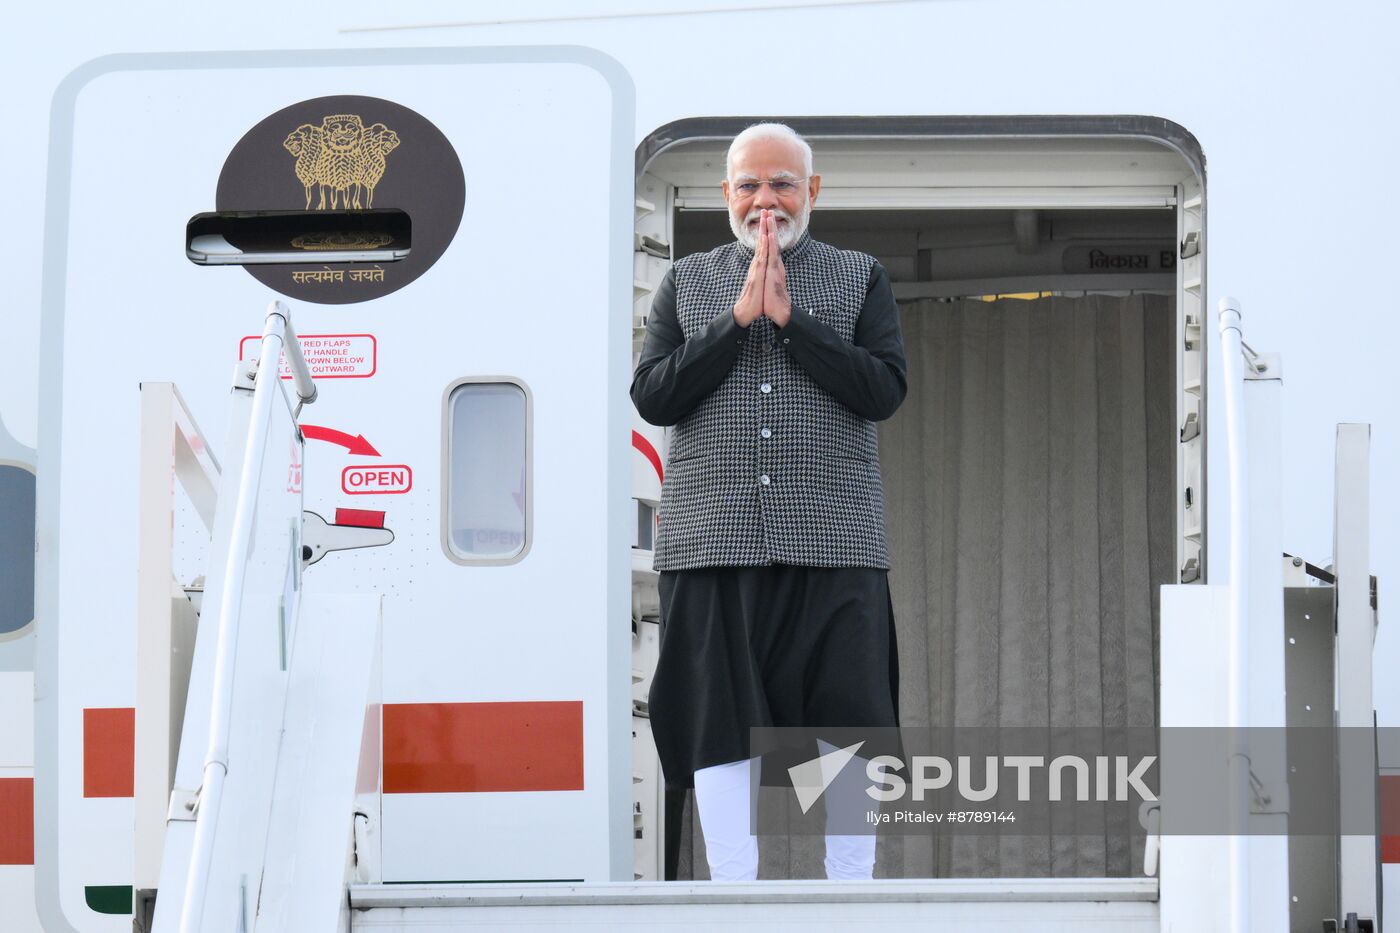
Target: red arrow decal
point(648, 451)
point(355, 445)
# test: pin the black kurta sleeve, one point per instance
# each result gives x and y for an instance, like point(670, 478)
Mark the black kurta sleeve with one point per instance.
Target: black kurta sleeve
point(674, 374)
point(868, 376)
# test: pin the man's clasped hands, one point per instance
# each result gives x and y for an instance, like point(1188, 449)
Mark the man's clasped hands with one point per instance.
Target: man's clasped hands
point(765, 289)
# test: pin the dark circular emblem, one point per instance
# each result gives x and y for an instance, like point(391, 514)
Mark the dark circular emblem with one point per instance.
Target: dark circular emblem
point(346, 154)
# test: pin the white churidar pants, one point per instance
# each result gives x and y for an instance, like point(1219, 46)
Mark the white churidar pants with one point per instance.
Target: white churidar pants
point(725, 795)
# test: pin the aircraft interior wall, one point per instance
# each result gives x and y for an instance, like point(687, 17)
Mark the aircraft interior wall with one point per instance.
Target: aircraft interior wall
point(976, 253)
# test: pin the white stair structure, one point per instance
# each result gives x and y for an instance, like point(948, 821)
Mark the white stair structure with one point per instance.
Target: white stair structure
point(1044, 905)
point(274, 815)
point(283, 688)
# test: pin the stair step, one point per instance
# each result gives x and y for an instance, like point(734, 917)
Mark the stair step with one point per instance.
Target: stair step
point(1011, 904)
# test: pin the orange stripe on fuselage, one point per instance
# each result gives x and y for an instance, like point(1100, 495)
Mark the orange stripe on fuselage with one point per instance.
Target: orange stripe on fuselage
point(16, 821)
point(1390, 818)
point(448, 748)
point(109, 752)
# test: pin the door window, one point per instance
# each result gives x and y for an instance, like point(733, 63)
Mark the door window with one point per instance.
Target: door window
point(487, 472)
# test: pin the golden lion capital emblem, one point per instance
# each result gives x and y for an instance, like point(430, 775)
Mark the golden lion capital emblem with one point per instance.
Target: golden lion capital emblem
point(342, 158)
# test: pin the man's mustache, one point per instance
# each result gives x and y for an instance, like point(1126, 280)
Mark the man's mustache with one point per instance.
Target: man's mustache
point(756, 214)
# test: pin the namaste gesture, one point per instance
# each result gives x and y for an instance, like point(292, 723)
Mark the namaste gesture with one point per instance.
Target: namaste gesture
point(765, 289)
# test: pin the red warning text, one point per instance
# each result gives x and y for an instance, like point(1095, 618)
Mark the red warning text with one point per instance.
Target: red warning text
point(389, 480)
point(328, 356)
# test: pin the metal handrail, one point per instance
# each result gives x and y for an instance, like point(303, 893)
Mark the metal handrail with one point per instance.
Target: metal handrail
point(301, 375)
point(1232, 358)
point(278, 337)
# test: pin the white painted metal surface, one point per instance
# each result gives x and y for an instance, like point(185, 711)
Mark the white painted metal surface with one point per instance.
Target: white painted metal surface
point(174, 452)
point(228, 760)
point(1264, 434)
point(333, 689)
point(1237, 688)
point(1197, 680)
point(270, 424)
point(453, 631)
point(1043, 905)
point(1195, 870)
point(1356, 633)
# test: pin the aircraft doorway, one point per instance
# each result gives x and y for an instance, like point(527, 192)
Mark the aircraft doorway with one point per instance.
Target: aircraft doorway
point(1041, 478)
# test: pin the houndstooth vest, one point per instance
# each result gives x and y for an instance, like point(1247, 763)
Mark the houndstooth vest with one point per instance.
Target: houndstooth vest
point(770, 468)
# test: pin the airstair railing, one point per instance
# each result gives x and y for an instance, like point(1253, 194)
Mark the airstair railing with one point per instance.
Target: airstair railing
point(172, 448)
point(1232, 359)
point(278, 338)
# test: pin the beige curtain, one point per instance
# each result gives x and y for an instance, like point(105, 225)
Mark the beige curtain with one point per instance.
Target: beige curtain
point(1029, 506)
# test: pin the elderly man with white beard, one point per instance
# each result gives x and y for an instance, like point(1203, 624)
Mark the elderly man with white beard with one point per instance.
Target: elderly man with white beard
point(771, 358)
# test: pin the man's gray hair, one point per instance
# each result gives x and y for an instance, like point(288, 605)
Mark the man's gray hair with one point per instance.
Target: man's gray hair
point(768, 131)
